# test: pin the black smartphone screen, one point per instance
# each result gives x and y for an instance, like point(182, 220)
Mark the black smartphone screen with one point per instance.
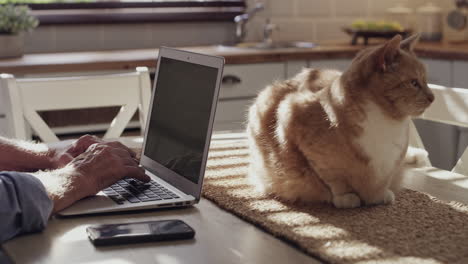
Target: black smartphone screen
point(112, 234)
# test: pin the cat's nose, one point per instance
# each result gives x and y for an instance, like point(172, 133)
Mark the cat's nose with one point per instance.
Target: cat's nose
point(430, 97)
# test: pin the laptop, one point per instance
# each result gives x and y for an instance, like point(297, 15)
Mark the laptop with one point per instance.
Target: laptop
point(176, 141)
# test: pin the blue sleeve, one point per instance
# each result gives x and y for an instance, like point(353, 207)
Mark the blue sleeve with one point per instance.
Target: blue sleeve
point(24, 205)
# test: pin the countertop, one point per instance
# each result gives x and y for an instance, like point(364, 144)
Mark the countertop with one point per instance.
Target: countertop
point(128, 59)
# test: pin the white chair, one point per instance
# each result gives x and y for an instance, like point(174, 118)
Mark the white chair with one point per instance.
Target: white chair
point(450, 107)
point(26, 97)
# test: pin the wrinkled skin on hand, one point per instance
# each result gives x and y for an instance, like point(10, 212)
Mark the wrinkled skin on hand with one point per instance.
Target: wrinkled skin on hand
point(101, 165)
point(61, 157)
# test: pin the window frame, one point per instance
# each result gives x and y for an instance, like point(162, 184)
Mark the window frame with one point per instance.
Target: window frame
point(137, 12)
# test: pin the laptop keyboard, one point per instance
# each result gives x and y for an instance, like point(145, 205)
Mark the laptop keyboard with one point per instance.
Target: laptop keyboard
point(136, 191)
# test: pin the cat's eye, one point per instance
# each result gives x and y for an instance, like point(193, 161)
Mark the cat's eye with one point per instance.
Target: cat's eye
point(415, 83)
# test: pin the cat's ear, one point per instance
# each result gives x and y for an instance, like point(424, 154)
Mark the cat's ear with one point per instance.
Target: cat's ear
point(387, 54)
point(409, 43)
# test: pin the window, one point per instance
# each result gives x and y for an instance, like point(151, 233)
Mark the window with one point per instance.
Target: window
point(132, 11)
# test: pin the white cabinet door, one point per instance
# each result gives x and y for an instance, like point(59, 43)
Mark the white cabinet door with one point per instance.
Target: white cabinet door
point(240, 86)
point(246, 80)
point(439, 71)
point(460, 74)
point(232, 114)
point(336, 64)
point(294, 67)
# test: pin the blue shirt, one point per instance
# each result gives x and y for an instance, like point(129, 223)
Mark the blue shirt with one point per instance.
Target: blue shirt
point(24, 205)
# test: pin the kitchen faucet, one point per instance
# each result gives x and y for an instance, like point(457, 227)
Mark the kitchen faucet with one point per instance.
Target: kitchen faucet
point(241, 20)
point(268, 32)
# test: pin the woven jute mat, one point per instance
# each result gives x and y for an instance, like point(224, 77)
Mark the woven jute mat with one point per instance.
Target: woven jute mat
point(417, 228)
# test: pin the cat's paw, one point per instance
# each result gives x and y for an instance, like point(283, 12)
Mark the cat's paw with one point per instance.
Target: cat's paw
point(416, 157)
point(389, 197)
point(347, 200)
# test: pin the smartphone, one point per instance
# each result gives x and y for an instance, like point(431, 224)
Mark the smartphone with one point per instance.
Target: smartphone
point(116, 234)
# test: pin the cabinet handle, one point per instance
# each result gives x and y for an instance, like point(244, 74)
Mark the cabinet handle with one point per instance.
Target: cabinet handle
point(231, 80)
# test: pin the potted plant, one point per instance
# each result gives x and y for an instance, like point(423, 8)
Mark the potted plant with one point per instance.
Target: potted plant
point(14, 21)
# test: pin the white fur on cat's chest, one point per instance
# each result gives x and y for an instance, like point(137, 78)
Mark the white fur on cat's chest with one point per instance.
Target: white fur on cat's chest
point(383, 140)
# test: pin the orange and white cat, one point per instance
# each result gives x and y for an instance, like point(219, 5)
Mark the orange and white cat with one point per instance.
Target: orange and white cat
point(327, 136)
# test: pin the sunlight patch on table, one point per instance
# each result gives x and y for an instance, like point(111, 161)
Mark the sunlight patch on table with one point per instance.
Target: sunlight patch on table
point(292, 218)
point(463, 183)
point(227, 162)
point(218, 173)
point(351, 249)
point(320, 231)
point(269, 205)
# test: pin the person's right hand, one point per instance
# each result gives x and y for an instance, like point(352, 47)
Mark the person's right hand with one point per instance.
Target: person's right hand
point(95, 169)
point(61, 157)
point(102, 165)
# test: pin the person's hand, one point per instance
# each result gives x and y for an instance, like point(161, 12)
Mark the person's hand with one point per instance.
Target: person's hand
point(61, 157)
point(104, 164)
point(101, 165)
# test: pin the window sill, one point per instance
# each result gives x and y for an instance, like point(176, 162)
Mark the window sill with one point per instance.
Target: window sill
point(104, 16)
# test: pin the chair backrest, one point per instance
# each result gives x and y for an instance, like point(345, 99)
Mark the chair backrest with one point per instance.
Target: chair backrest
point(28, 96)
point(449, 107)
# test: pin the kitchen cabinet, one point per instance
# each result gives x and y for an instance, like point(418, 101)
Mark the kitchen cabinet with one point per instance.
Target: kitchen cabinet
point(460, 74)
point(246, 80)
point(294, 67)
point(336, 64)
point(240, 85)
point(439, 71)
point(232, 114)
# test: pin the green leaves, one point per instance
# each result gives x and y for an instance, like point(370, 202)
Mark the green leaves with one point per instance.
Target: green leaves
point(16, 18)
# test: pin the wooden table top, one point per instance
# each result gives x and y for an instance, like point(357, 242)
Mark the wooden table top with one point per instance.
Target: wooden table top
point(129, 59)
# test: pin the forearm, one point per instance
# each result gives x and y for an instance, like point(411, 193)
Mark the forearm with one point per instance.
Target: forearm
point(61, 187)
point(16, 155)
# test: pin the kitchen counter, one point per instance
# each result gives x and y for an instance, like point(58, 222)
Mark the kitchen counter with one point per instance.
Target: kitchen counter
point(129, 59)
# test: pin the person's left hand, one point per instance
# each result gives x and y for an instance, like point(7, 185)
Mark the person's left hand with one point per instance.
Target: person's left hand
point(61, 157)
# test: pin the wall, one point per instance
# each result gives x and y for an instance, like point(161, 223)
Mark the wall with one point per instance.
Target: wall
point(322, 20)
point(126, 36)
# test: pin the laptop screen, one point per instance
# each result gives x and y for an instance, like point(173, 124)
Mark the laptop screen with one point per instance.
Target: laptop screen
point(180, 116)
